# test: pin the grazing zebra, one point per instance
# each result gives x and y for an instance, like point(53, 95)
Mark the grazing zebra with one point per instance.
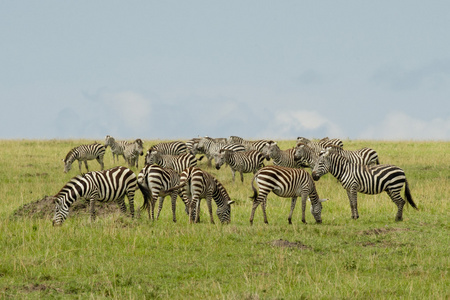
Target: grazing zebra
point(364, 156)
point(196, 184)
point(373, 179)
point(132, 152)
point(117, 147)
point(191, 146)
point(153, 180)
point(283, 158)
point(103, 186)
point(306, 155)
point(243, 162)
point(175, 162)
point(211, 148)
point(285, 182)
point(84, 153)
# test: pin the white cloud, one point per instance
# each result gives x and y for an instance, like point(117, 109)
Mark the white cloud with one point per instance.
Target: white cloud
point(399, 126)
point(291, 124)
point(133, 109)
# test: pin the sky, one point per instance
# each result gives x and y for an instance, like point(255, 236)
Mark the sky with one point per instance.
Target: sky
point(257, 69)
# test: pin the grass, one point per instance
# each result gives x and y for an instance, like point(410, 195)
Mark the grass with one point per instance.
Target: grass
point(117, 257)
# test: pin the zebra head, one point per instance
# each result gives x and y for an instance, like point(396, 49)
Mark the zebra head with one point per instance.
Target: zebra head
point(302, 153)
point(322, 166)
point(109, 140)
point(316, 208)
point(220, 158)
point(224, 212)
point(152, 157)
point(61, 212)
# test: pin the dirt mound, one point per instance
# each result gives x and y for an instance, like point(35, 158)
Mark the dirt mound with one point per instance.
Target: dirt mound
point(285, 243)
point(378, 231)
point(45, 208)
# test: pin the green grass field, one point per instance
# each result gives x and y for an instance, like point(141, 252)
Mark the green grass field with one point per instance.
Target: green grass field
point(373, 257)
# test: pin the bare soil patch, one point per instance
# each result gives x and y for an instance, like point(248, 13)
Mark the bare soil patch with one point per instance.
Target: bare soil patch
point(45, 208)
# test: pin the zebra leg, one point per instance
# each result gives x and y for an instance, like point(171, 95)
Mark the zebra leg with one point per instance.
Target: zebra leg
point(130, 196)
point(209, 204)
point(261, 198)
point(352, 197)
point(398, 200)
point(174, 205)
point(293, 202)
point(86, 165)
point(121, 203)
point(92, 208)
point(233, 172)
point(79, 165)
point(161, 202)
point(100, 161)
point(242, 176)
point(304, 198)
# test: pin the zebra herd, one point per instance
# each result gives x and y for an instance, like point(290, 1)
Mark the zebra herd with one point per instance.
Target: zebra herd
point(171, 170)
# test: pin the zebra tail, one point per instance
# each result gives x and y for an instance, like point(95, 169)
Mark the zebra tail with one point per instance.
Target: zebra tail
point(255, 192)
point(200, 158)
point(147, 195)
point(408, 195)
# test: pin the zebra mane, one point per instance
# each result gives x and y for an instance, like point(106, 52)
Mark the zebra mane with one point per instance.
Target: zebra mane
point(71, 152)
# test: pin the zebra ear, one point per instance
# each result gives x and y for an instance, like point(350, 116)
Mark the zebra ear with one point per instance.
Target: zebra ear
point(230, 202)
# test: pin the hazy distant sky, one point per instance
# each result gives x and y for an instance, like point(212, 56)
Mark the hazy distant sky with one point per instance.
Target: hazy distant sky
point(256, 69)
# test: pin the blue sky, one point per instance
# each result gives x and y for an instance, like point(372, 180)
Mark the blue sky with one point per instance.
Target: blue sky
point(257, 69)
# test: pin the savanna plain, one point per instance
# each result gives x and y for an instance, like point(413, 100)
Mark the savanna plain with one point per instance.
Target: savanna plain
point(115, 256)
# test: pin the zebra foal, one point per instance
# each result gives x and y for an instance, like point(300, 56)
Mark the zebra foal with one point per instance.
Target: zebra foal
point(117, 147)
point(132, 152)
point(153, 181)
point(242, 162)
point(103, 186)
point(84, 153)
point(287, 183)
point(282, 158)
point(373, 179)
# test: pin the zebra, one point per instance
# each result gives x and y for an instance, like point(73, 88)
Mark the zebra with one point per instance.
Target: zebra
point(172, 148)
point(363, 156)
point(175, 162)
point(306, 155)
point(132, 152)
point(243, 162)
point(320, 145)
point(196, 184)
point(250, 145)
point(153, 180)
point(211, 148)
point(283, 158)
point(84, 153)
point(285, 182)
point(104, 186)
point(191, 146)
point(373, 179)
point(117, 147)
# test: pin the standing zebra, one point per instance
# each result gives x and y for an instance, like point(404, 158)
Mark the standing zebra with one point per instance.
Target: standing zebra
point(243, 162)
point(103, 186)
point(306, 155)
point(196, 184)
point(320, 145)
point(153, 180)
point(285, 182)
point(211, 147)
point(132, 152)
point(175, 162)
point(117, 147)
point(364, 156)
point(283, 158)
point(84, 153)
point(373, 179)
point(172, 148)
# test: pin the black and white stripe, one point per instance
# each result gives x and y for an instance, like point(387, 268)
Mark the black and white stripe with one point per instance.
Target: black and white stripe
point(210, 147)
point(84, 153)
point(153, 181)
point(103, 186)
point(132, 152)
point(364, 156)
point(283, 158)
point(172, 148)
point(319, 146)
point(373, 179)
point(117, 147)
point(196, 184)
point(286, 183)
point(242, 162)
point(306, 155)
point(175, 162)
